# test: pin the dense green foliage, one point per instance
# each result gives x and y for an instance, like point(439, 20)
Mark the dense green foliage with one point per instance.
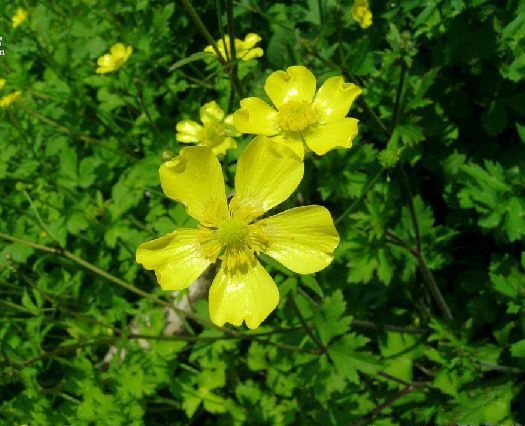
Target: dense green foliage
point(419, 319)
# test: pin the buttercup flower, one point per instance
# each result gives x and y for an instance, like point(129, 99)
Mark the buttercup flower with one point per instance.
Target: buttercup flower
point(2, 82)
point(361, 13)
point(118, 56)
point(7, 100)
point(216, 131)
point(302, 238)
point(19, 17)
point(244, 50)
point(301, 116)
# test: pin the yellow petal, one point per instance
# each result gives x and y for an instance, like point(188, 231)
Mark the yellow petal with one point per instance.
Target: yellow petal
point(334, 99)
point(292, 140)
point(188, 131)
point(267, 174)
point(296, 83)
point(211, 112)
point(251, 40)
point(325, 137)
point(225, 145)
point(2, 82)
point(195, 179)
point(303, 239)
point(249, 296)
point(256, 117)
point(229, 126)
point(253, 53)
point(177, 259)
point(118, 50)
point(105, 60)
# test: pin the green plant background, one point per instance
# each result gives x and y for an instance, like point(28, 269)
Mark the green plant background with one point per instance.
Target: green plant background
point(419, 319)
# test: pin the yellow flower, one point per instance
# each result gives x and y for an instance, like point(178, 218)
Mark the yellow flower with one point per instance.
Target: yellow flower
point(303, 238)
point(301, 115)
point(118, 56)
point(19, 17)
point(2, 82)
point(244, 50)
point(215, 132)
point(361, 13)
point(7, 100)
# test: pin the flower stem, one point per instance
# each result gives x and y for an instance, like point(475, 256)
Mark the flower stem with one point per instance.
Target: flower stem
point(428, 277)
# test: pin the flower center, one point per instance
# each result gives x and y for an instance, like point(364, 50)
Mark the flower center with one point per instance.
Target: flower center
point(234, 242)
point(212, 134)
point(231, 234)
point(295, 116)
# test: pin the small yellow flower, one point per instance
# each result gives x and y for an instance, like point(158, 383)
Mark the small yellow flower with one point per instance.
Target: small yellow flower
point(118, 56)
point(301, 116)
point(361, 13)
point(216, 131)
point(244, 50)
point(7, 100)
point(19, 17)
point(303, 238)
point(2, 82)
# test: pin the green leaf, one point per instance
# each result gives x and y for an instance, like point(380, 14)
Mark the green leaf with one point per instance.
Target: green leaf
point(329, 320)
point(348, 361)
point(517, 350)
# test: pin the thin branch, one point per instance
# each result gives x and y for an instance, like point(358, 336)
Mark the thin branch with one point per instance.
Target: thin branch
point(428, 277)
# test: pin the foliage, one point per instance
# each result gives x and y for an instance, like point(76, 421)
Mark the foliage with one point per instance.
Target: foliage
point(419, 319)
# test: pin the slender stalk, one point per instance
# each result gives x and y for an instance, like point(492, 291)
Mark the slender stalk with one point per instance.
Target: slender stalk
point(390, 401)
point(360, 198)
point(411, 208)
point(428, 277)
point(307, 328)
point(399, 94)
point(232, 69)
point(202, 28)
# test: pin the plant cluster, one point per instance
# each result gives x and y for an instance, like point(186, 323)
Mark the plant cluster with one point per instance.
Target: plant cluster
point(410, 212)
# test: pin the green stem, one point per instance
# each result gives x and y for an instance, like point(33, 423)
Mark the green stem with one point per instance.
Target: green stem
point(232, 68)
point(361, 196)
point(307, 328)
point(399, 94)
point(411, 208)
point(202, 28)
point(428, 277)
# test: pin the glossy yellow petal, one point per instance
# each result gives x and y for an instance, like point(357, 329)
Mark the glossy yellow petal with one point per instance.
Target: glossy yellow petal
point(211, 112)
point(105, 64)
point(294, 141)
point(334, 99)
point(176, 258)
point(195, 179)
point(224, 146)
point(2, 82)
point(249, 296)
point(303, 239)
point(267, 174)
point(325, 137)
point(188, 131)
point(253, 53)
point(297, 83)
point(118, 50)
point(251, 40)
point(231, 130)
point(256, 117)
